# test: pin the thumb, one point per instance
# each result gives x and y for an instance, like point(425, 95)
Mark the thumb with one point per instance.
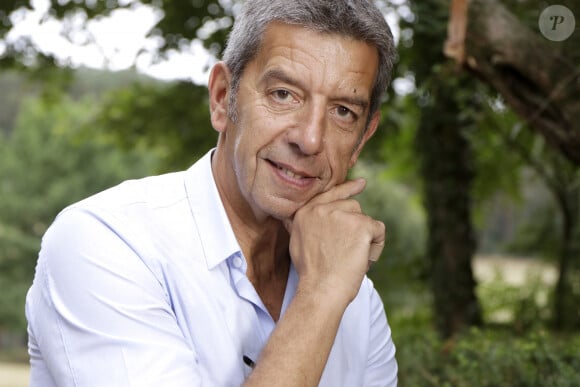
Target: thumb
point(288, 224)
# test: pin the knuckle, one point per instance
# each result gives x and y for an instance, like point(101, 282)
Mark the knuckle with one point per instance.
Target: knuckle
point(382, 226)
point(354, 204)
point(319, 209)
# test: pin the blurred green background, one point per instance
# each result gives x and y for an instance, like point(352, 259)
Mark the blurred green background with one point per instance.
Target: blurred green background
point(475, 168)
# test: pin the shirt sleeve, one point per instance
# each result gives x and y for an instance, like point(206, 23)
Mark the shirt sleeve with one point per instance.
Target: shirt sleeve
point(381, 364)
point(99, 316)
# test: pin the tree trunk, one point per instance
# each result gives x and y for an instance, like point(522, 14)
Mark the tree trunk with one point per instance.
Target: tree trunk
point(538, 79)
point(566, 316)
point(447, 175)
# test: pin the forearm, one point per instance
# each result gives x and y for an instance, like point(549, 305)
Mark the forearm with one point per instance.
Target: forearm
point(331, 243)
point(298, 348)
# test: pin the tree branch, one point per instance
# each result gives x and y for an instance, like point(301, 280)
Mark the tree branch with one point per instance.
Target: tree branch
point(535, 79)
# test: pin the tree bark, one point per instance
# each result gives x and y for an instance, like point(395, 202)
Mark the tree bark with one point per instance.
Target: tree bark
point(533, 75)
point(566, 316)
point(447, 175)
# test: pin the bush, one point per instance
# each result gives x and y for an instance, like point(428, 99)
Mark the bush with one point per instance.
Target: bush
point(489, 357)
point(400, 273)
point(523, 306)
point(44, 167)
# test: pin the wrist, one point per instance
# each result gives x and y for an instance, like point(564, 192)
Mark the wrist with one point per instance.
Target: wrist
point(324, 294)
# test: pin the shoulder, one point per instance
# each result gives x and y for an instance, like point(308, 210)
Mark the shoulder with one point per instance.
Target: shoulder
point(116, 224)
point(152, 191)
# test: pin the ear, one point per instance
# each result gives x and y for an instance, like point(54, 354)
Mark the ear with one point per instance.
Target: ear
point(371, 129)
point(219, 88)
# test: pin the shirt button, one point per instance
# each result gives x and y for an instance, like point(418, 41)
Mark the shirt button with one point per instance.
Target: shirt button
point(237, 262)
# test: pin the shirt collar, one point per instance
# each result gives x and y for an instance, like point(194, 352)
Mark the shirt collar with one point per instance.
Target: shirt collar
point(215, 231)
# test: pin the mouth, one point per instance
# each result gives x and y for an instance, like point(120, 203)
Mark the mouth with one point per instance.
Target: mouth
point(290, 172)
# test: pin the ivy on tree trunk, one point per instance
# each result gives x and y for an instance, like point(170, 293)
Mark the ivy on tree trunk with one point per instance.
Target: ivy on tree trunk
point(447, 172)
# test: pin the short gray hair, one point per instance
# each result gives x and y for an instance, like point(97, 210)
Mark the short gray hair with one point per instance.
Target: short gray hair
point(357, 19)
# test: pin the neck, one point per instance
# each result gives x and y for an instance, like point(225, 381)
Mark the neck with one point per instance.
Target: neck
point(265, 247)
point(264, 243)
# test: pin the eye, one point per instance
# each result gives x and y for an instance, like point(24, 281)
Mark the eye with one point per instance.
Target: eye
point(346, 114)
point(282, 95)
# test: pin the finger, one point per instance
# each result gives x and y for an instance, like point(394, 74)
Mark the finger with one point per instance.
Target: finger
point(378, 240)
point(346, 205)
point(340, 192)
point(375, 251)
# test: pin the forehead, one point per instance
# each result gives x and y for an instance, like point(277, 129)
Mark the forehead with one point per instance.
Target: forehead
point(318, 57)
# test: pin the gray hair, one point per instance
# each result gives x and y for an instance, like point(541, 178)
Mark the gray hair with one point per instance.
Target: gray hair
point(357, 19)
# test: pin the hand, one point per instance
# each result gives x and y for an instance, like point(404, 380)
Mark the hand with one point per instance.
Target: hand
point(332, 243)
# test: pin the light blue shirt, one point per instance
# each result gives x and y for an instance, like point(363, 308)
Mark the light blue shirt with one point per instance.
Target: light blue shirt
point(144, 284)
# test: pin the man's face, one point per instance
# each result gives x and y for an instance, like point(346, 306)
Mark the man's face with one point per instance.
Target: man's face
point(302, 107)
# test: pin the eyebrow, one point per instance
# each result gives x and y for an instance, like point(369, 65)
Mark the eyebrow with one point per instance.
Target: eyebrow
point(363, 103)
point(280, 75)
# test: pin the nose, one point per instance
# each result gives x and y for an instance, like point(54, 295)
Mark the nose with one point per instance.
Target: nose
point(307, 136)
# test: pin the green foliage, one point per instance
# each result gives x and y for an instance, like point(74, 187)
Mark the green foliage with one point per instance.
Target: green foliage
point(170, 119)
point(398, 206)
point(537, 231)
point(180, 22)
point(568, 301)
point(422, 37)
point(399, 273)
point(517, 351)
point(44, 167)
point(522, 306)
point(489, 358)
point(506, 189)
point(393, 143)
point(12, 89)
point(534, 360)
point(498, 168)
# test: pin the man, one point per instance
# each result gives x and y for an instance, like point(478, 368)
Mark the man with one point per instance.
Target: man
point(248, 268)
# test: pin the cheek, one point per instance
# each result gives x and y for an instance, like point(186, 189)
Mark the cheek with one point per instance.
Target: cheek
point(245, 149)
point(339, 165)
point(255, 125)
point(344, 154)
point(340, 160)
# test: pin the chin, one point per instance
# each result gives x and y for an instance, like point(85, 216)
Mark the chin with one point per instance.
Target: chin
point(279, 208)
